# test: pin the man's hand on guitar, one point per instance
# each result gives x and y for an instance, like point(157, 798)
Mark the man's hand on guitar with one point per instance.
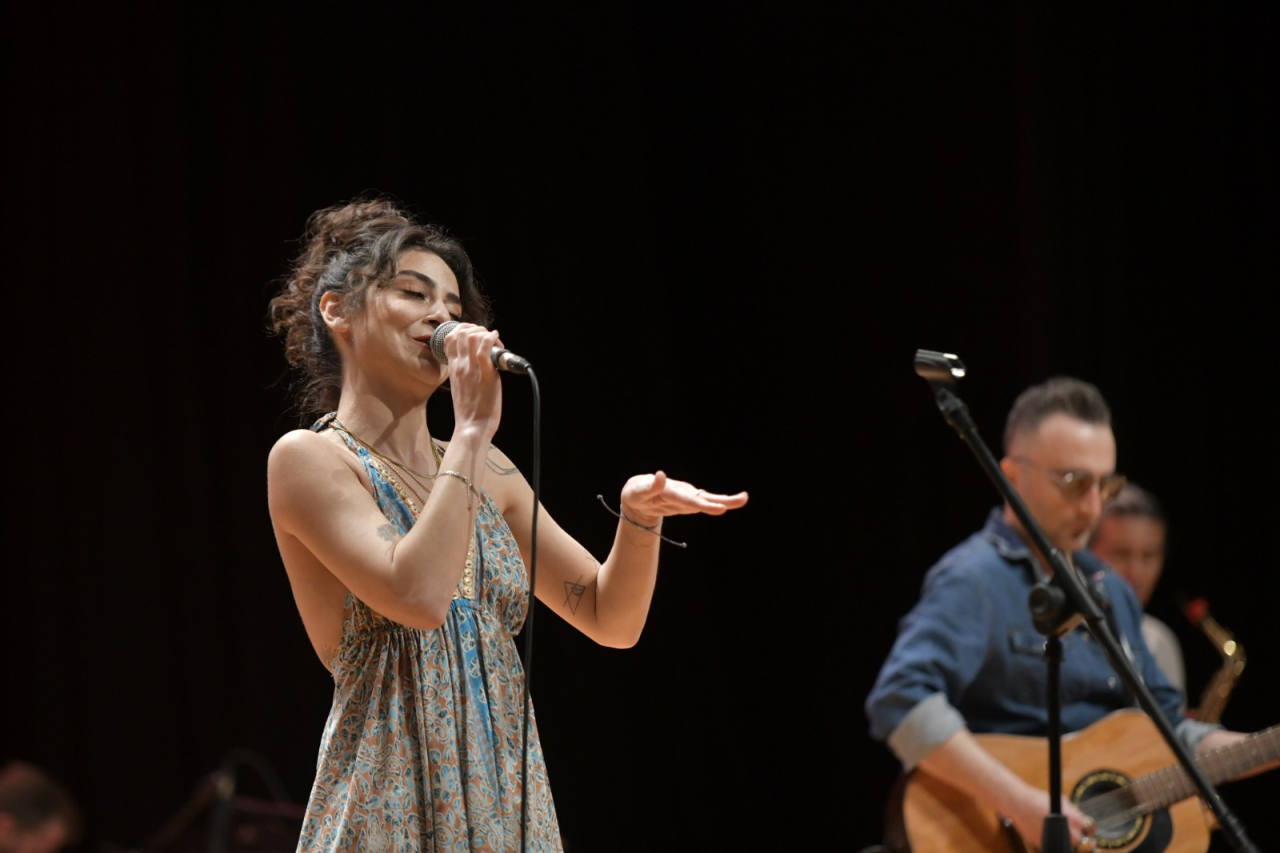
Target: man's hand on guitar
point(962, 763)
point(1031, 807)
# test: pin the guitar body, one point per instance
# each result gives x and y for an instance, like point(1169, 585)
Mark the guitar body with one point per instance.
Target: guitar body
point(941, 819)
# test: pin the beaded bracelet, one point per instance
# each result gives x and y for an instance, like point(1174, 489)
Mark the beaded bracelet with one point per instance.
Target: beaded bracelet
point(619, 514)
point(464, 478)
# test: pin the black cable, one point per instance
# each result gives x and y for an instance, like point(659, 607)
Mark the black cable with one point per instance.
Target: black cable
point(528, 620)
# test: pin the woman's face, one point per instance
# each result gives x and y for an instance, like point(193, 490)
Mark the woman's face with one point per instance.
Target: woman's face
point(394, 329)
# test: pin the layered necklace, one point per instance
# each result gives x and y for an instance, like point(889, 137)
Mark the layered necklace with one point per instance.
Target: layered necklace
point(400, 471)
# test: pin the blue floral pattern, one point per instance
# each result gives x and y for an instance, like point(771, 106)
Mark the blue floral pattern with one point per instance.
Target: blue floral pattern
point(422, 747)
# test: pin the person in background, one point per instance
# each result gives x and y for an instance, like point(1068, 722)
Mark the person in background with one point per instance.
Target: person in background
point(1130, 538)
point(37, 815)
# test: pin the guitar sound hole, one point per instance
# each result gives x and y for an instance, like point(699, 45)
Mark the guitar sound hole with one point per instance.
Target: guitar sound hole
point(1119, 822)
point(1116, 828)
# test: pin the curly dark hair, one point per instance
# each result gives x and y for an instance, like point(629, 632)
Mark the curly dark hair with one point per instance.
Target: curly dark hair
point(346, 249)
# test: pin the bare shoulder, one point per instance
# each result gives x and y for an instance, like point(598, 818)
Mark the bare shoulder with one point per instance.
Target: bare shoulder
point(298, 451)
point(302, 464)
point(499, 463)
point(496, 462)
point(298, 441)
point(508, 488)
point(502, 479)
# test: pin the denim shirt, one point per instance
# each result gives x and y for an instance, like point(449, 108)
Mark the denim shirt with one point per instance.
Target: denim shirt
point(969, 655)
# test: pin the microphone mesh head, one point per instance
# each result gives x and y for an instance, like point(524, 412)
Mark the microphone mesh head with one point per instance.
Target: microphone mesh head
point(437, 340)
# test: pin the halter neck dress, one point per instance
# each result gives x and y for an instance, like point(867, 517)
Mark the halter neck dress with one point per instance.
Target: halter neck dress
point(421, 751)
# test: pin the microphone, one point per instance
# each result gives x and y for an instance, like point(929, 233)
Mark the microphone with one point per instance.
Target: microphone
point(502, 359)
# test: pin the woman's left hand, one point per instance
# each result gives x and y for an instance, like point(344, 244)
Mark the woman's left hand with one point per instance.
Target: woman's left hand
point(649, 498)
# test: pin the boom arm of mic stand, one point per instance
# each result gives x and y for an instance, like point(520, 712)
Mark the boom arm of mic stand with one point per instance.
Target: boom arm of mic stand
point(1065, 578)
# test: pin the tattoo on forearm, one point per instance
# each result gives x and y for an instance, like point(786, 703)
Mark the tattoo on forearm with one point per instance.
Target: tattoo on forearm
point(498, 469)
point(573, 594)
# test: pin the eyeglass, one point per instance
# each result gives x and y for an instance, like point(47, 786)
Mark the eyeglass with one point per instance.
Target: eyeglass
point(1077, 484)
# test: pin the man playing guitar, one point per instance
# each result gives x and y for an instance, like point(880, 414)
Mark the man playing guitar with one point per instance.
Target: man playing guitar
point(968, 660)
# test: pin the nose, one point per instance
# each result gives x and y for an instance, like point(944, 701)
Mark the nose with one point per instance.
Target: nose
point(437, 312)
point(1091, 501)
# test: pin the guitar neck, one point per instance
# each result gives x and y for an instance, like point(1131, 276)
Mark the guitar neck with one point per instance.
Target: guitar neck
point(1172, 784)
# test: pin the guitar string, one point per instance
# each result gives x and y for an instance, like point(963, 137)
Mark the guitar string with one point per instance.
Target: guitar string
point(1172, 783)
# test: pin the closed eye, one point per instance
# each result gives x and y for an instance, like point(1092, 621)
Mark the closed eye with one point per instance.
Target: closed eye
point(453, 299)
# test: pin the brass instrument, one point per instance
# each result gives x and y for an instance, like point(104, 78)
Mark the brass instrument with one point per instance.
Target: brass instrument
point(1215, 695)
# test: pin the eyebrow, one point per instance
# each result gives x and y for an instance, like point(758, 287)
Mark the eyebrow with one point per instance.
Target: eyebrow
point(430, 282)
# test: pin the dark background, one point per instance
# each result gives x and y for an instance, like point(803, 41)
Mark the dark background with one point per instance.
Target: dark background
point(720, 235)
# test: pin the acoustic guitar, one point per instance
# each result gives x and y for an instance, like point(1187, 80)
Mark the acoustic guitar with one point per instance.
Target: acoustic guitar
point(1119, 771)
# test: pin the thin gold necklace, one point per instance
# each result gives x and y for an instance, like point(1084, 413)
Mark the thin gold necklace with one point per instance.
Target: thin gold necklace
point(408, 482)
point(435, 451)
point(466, 583)
point(468, 573)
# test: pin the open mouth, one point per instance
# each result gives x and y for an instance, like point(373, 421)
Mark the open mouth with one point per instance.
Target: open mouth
point(426, 347)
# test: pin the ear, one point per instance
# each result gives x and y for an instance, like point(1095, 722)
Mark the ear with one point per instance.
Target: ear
point(331, 311)
point(1011, 471)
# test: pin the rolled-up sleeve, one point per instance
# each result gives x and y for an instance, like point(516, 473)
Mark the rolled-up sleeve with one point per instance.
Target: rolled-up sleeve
point(941, 645)
point(925, 728)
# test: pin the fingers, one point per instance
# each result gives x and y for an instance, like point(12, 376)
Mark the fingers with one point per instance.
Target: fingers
point(658, 495)
point(723, 501)
point(469, 349)
point(711, 503)
point(476, 389)
point(1088, 842)
point(466, 337)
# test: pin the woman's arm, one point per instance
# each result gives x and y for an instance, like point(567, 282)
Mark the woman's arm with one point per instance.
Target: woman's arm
point(608, 602)
point(326, 520)
point(320, 506)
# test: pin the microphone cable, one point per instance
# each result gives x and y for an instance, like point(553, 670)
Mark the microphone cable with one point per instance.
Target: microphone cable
point(516, 364)
point(526, 707)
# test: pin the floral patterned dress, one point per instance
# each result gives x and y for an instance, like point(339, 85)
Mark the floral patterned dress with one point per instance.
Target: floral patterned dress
point(421, 751)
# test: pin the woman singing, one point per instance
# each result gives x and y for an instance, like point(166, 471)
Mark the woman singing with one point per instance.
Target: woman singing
point(406, 553)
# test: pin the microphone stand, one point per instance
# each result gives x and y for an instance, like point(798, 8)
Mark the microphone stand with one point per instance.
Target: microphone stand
point(1057, 609)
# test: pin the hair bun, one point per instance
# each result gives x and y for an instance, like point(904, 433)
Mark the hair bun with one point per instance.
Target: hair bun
point(342, 225)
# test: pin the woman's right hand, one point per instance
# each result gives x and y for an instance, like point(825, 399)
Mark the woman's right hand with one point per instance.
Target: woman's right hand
point(473, 380)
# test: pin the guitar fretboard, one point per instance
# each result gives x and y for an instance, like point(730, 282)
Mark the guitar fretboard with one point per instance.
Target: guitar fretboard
point(1172, 784)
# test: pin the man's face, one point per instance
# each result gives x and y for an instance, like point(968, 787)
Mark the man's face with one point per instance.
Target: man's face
point(1061, 444)
point(1133, 545)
